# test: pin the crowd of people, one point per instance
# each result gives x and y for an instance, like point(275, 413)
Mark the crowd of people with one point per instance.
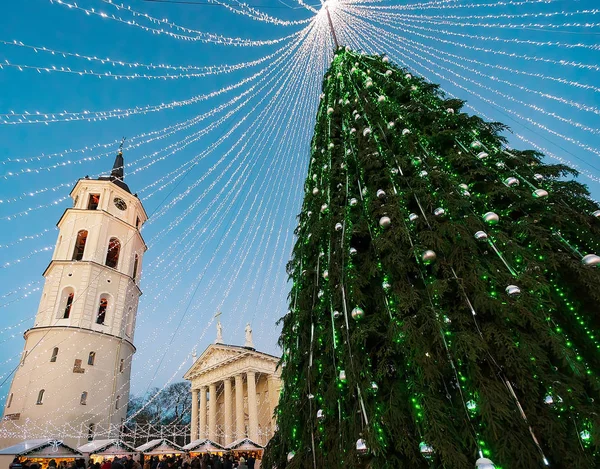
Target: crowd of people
point(205, 461)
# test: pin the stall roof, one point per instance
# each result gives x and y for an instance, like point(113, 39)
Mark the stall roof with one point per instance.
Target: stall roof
point(107, 447)
point(203, 446)
point(159, 446)
point(41, 448)
point(245, 444)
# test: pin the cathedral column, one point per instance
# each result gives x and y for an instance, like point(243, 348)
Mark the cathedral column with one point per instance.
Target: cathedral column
point(273, 399)
point(239, 407)
point(202, 434)
point(252, 407)
point(212, 412)
point(194, 429)
point(228, 412)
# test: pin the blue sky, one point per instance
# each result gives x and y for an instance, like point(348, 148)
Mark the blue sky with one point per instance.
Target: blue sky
point(250, 284)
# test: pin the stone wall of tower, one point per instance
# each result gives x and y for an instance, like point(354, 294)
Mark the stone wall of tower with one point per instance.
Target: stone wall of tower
point(78, 352)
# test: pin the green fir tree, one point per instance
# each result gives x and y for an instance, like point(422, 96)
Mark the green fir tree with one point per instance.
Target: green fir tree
point(445, 292)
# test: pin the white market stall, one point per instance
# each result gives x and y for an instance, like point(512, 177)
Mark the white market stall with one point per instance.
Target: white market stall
point(202, 446)
point(107, 449)
point(246, 445)
point(40, 451)
point(160, 447)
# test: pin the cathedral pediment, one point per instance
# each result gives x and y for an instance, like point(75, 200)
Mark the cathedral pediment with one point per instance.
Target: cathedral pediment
point(222, 356)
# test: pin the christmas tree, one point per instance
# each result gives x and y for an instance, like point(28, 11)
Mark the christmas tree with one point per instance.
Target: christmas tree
point(443, 309)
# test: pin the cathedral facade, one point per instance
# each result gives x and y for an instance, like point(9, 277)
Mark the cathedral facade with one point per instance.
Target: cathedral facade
point(235, 390)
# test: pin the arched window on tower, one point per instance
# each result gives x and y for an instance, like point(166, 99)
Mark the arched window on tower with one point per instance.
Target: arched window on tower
point(117, 403)
point(40, 399)
point(9, 402)
point(91, 358)
point(112, 254)
point(80, 245)
point(136, 260)
point(83, 400)
point(54, 355)
point(68, 297)
point(101, 317)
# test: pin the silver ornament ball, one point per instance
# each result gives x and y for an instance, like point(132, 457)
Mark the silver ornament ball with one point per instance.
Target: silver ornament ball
point(381, 194)
point(353, 202)
point(450, 110)
point(428, 256)
point(476, 144)
point(413, 217)
point(538, 177)
point(405, 131)
point(323, 207)
point(491, 218)
point(425, 449)
point(482, 155)
point(481, 236)
point(290, 456)
point(338, 227)
point(591, 260)
point(342, 375)
point(367, 132)
point(358, 313)
point(353, 251)
point(513, 290)
point(329, 110)
point(385, 222)
point(596, 213)
point(484, 463)
point(439, 212)
point(540, 193)
point(511, 181)
point(549, 400)
point(361, 446)
point(315, 191)
point(320, 414)
point(326, 274)
point(336, 314)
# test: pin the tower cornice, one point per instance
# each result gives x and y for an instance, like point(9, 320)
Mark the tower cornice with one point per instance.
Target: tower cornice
point(88, 262)
point(84, 329)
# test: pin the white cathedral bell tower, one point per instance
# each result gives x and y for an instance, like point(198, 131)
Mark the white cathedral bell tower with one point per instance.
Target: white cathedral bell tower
point(73, 379)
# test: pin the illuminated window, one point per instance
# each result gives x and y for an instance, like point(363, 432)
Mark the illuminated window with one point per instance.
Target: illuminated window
point(40, 399)
point(83, 400)
point(112, 253)
point(91, 358)
point(101, 317)
point(80, 245)
point(93, 201)
point(54, 355)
